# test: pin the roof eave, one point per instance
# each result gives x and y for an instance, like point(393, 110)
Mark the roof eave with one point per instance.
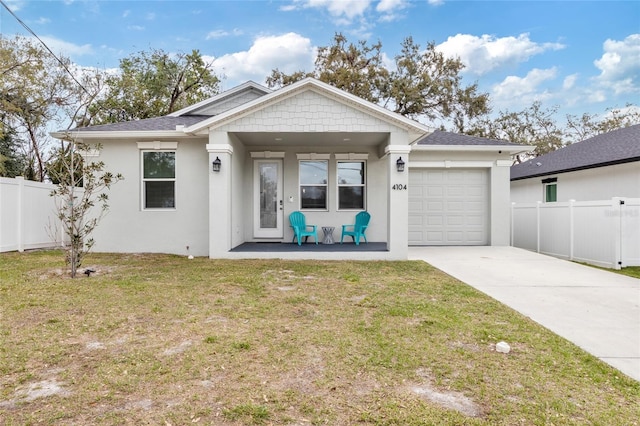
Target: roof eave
point(575, 169)
point(510, 149)
point(119, 134)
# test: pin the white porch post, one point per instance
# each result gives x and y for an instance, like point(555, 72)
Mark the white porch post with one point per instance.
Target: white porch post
point(219, 195)
point(398, 207)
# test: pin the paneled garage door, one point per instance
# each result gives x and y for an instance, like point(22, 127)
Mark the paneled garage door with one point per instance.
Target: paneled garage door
point(449, 207)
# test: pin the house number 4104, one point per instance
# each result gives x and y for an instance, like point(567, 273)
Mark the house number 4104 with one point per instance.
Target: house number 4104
point(399, 187)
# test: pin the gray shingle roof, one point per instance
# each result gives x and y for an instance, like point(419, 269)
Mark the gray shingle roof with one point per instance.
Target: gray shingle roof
point(439, 137)
point(616, 147)
point(149, 124)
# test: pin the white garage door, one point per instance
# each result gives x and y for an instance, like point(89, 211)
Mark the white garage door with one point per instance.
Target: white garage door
point(449, 207)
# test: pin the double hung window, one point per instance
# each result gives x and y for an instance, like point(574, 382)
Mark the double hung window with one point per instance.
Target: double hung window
point(158, 179)
point(314, 176)
point(351, 185)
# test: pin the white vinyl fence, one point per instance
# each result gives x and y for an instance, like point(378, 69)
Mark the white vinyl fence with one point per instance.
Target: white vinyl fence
point(27, 216)
point(603, 233)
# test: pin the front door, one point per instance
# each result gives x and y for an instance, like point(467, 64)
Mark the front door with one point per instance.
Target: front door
point(267, 190)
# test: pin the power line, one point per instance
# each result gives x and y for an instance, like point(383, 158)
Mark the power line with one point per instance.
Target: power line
point(62, 64)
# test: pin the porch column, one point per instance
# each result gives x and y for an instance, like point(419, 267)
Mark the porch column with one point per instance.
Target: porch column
point(398, 207)
point(219, 195)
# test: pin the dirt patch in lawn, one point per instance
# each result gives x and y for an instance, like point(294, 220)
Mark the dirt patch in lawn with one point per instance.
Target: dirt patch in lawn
point(447, 399)
point(42, 389)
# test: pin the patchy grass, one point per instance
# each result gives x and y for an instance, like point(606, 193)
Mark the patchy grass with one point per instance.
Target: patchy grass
point(155, 339)
point(632, 271)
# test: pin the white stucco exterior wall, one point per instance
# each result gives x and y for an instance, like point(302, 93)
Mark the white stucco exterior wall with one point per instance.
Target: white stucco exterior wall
point(130, 229)
point(601, 183)
point(500, 203)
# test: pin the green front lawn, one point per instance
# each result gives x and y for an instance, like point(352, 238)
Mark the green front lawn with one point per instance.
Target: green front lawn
point(156, 339)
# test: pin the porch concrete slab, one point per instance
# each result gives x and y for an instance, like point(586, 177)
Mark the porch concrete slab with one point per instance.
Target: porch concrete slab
point(597, 310)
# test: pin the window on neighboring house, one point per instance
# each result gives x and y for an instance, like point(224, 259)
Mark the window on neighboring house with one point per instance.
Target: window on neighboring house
point(158, 179)
point(550, 190)
point(351, 185)
point(313, 184)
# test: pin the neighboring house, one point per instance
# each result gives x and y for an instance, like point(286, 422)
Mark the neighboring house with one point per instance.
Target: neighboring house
point(229, 170)
point(599, 168)
point(582, 202)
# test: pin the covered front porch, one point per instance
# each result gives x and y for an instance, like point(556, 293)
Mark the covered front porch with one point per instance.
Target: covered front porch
point(312, 148)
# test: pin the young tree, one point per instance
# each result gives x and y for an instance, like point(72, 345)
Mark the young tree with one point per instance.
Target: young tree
point(152, 84)
point(78, 196)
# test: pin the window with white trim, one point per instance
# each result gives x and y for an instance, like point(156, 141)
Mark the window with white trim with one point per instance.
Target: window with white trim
point(351, 185)
point(550, 186)
point(313, 184)
point(158, 179)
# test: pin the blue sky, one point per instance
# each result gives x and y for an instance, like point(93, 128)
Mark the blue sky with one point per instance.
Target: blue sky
point(580, 56)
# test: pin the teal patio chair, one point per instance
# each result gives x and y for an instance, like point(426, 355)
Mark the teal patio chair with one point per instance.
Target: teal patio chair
point(362, 221)
point(299, 225)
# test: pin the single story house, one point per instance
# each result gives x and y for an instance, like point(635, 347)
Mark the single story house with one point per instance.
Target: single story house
point(227, 172)
point(598, 168)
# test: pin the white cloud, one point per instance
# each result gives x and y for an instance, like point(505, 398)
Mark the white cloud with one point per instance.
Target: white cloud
point(569, 81)
point(65, 48)
point(223, 33)
point(216, 34)
point(126, 13)
point(486, 53)
point(515, 90)
point(363, 31)
point(390, 9)
point(436, 2)
point(620, 65)
point(42, 20)
point(288, 52)
point(349, 8)
point(388, 6)
point(345, 9)
point(15, 5)
point(135, 27)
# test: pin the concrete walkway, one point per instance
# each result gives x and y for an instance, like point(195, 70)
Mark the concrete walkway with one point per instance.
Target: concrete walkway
point(597, 310)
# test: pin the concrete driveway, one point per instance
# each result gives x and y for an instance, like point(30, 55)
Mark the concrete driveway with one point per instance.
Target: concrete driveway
point(597, 310)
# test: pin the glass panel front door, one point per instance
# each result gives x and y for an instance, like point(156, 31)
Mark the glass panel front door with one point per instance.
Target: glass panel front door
point(268, 199)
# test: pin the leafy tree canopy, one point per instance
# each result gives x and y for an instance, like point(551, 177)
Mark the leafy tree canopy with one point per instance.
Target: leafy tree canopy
point(424, 84)
point(538, 126)
point(34, 88)
point(152, 84)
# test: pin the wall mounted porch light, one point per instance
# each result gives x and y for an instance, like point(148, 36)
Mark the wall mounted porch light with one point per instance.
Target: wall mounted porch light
point(216, 164)
point(400, 165)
